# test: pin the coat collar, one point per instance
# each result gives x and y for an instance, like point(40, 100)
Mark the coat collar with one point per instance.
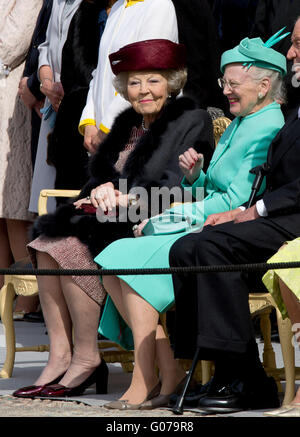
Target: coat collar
point(108, 152)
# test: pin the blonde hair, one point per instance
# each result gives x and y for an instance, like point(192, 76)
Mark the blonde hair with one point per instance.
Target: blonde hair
point(176, 79)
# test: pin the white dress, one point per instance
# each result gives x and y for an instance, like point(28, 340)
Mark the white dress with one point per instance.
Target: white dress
point(50, 54)
point(17, 23)
point(128, 22)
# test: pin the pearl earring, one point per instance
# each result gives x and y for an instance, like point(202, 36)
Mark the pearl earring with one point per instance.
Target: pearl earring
point(260, 95)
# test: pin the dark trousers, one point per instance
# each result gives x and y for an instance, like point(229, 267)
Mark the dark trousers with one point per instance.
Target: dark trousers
point(212, 310)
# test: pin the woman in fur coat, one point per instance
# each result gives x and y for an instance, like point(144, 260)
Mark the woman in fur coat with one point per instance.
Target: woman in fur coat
point(142, 149)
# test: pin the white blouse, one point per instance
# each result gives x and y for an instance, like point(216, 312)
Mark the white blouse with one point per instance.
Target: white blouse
point(128, 22)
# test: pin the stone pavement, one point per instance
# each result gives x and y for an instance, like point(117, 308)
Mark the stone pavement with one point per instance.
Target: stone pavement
point(28, 365)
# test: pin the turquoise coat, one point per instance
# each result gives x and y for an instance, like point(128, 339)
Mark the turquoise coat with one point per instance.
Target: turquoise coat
point(226, 185)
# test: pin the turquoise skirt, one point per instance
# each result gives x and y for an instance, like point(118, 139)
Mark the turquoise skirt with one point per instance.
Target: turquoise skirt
point(132, 253)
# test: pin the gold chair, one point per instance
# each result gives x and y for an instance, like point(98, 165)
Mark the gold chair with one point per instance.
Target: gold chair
point(26, 285)
point(220, 124)
point(15, 285)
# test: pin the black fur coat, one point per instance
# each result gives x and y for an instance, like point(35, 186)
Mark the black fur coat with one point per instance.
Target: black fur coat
point(79, 59)
point(153, 163)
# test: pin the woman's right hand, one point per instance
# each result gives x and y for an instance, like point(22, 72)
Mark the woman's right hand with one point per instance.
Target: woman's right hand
point(137, 229)
point(54, 91)
point(90, 136)
point(191, 164)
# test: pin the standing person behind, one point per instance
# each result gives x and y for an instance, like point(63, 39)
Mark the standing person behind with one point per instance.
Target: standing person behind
point(129, 21)
point(138, 299)
point(198, 32)
point(79, 59)
point(49, 70)
point(142, 148)
point(234, 20)
point(29, 87)
point(272, 15)
point(17, 21)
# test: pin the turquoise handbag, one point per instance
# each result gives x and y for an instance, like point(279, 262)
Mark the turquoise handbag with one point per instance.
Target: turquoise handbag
point(170, 222)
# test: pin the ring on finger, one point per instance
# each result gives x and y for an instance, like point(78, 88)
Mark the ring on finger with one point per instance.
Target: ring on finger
point(134, 228)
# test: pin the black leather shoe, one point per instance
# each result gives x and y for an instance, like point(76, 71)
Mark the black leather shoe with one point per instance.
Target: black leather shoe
point(230, 398)
point(223, 399)
point(192, 397)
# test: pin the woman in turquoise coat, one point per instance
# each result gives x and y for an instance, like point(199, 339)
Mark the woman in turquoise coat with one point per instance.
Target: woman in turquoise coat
point(132, 309)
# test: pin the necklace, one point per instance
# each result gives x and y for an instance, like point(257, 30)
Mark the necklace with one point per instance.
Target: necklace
point(143, 126)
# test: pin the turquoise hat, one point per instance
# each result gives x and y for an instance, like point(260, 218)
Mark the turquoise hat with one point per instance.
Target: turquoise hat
point(255, 52)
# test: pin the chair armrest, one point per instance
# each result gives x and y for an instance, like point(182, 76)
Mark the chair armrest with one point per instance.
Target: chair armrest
point(44, 194)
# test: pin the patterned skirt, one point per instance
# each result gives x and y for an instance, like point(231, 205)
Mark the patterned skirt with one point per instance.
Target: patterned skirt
point(70, 253)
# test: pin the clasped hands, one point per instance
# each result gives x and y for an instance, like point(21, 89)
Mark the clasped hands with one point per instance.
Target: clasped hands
point(236, 215)
point(29, 100)
point(104, 196)
point(54, 91)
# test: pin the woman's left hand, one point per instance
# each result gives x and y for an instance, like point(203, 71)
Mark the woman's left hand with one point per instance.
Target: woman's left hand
point(137, 229)
point(80, 202)
point(191, 164)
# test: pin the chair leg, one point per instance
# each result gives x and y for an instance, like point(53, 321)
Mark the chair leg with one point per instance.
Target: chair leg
point(178, 408)
point(206, 371)
point(127, 367)
point(288, 355)
point(269, 360)
point(6, 313)
point(268, 353)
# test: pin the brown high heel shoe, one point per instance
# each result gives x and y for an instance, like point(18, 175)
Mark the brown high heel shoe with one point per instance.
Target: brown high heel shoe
point(163, 400)
point(99, 376)
point(124, 405)
point(34, 390)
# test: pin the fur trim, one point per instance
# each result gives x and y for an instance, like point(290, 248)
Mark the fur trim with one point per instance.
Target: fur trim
point(153, 162)
point(102, 163)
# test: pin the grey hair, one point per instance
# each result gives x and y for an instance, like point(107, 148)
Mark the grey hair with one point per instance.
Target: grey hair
point(277, 91)
point(176, 80)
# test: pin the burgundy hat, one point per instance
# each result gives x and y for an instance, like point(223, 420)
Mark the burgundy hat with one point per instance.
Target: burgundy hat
point(153, 54)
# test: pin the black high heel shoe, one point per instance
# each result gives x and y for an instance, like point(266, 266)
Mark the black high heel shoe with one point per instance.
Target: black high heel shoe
point(99, 376)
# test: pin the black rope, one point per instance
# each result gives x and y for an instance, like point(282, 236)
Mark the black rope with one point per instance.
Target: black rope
point(258, 267)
